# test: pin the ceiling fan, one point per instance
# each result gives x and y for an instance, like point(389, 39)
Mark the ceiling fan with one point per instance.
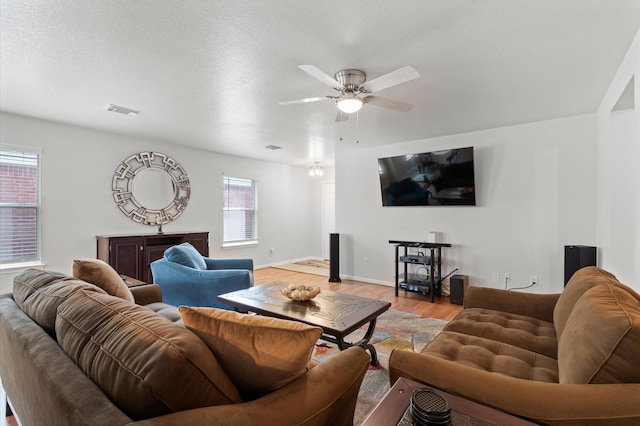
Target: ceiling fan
point(354, 90)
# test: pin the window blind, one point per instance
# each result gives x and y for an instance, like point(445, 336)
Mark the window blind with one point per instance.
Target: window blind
point(19, 206)
point(239, 210)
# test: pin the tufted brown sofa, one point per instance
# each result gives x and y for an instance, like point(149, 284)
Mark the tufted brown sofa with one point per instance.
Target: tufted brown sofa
point(73, 354)
point(560, 359)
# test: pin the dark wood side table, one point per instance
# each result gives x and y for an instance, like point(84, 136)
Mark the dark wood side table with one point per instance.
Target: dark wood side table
point(391, 409)
point(132, 282)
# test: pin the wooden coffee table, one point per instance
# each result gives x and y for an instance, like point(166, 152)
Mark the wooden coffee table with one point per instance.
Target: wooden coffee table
point(392, 408)
point(338, 314)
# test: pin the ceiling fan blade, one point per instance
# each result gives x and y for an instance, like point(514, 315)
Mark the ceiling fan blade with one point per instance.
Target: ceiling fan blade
point(315, 72)
point(305, 100)
point(389, 103)
point(393, 78)
point(342, 116)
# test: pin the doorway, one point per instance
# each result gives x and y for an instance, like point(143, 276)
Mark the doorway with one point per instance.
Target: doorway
point(328, 215)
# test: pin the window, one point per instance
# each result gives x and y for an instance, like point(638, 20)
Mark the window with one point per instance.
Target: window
point(239, 211)
point(19, 206)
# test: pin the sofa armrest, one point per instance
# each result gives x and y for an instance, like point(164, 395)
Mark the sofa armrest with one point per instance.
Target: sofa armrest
point(533, 305)
point(326, 395)
point(548, 403)
point(146, 294)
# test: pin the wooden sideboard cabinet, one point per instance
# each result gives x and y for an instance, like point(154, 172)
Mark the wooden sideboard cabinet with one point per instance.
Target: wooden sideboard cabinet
point(131, 255)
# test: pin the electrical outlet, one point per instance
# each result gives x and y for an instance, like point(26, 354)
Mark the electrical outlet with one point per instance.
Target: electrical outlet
point(365, 261)
point(533, 279)
point(496, 277)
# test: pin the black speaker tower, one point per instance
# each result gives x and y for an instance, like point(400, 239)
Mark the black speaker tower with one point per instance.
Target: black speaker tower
point(334, 258)
point(577, 257)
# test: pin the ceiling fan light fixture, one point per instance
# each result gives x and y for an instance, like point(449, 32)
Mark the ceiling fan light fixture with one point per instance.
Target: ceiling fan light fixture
point(316, 170)
point(349, 104)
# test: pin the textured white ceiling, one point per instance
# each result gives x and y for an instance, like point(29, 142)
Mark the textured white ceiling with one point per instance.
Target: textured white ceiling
point(210, 74)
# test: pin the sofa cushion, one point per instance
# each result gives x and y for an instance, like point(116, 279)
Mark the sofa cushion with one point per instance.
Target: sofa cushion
point(100, 273)
point(167, 311)
point(147, 365)
point(601, 338)
point(185, 254)
point(39, 293)
point(517, 330)
point(581, 281)
point(492, 356)
point(260, 354)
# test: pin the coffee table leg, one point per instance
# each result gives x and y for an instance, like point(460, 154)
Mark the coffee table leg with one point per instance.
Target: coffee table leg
point(364, 342)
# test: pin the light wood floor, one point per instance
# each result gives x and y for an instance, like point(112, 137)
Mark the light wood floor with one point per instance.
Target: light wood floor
point(9, 421)
point(406, 301)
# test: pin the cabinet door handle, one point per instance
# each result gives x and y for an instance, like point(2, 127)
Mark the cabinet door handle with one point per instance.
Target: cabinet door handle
point(141, 248)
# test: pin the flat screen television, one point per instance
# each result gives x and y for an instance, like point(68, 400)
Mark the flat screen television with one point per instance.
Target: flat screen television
point(435, 178)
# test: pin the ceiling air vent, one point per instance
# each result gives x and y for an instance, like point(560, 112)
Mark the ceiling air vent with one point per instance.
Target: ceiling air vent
point(273, 147)
point(121, 110)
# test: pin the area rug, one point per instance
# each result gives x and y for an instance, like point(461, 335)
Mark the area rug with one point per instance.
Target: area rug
point(314, 267)
point(394, 330)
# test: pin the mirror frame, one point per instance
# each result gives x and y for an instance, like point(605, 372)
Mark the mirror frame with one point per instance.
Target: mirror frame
point(122, 187)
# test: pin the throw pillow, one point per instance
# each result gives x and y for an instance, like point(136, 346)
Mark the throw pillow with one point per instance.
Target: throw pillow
point(147, 365)
point(100, 273)
point(185, 254)
point(260, 354)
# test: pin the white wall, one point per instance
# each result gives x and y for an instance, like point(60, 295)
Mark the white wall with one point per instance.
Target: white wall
point(618, 175)
point(536, 193)
point(77, 168)
point(540, 186)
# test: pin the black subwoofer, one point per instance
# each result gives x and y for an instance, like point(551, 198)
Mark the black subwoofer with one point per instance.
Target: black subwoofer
point(577, 257)
point(457, 286)
point(334, 258)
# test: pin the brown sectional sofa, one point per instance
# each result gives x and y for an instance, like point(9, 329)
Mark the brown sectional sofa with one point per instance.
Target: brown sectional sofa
point(72, 354)
point(560, 359)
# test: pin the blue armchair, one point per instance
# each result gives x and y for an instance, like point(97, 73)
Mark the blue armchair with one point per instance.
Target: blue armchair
point(188, 278)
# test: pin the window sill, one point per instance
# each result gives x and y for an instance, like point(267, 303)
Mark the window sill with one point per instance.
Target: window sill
point(12, 267)
point(241, 244)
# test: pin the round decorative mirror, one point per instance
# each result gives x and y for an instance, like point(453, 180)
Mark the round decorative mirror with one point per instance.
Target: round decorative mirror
point(151, 188)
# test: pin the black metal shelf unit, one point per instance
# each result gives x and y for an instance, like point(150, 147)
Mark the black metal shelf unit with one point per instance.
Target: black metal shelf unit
point(415, 254)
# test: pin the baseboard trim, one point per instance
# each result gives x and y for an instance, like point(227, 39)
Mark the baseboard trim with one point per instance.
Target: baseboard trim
point(368, 280)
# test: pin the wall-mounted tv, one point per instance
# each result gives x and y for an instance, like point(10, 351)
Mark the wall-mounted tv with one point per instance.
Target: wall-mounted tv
point(435, 178)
